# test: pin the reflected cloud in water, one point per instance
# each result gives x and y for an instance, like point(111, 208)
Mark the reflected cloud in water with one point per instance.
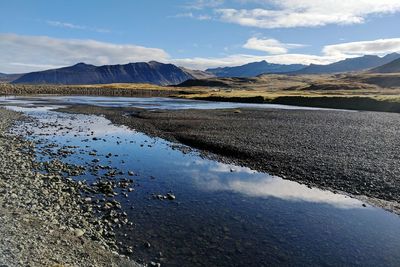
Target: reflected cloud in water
point(255, 184)
point(32, 108)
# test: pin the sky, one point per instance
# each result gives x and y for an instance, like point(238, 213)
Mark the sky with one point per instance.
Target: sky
point(198, 34)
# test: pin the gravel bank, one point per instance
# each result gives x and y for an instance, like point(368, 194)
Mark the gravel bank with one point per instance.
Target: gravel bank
point(353, 152)
point(44, 221)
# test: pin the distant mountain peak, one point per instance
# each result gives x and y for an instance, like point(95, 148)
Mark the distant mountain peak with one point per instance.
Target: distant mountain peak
point(156, 62)
point(392, 54)
point(368, 56)
point(82, 64)
point(361, 63)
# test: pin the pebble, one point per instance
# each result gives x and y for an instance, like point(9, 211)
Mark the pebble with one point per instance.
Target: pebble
point(79, 232)
point(171, 196)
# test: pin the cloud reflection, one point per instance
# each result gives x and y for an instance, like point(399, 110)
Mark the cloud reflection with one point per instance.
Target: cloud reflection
point(219, 177)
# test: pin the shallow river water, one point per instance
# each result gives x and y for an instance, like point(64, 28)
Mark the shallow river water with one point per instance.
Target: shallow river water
point(139, 102)
point(223, 215)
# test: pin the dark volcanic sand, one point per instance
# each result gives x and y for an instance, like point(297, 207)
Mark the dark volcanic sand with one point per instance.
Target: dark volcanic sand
point(354, 152)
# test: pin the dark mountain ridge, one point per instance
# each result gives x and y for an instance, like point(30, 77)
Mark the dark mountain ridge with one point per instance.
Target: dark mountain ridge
point(81, 73)
point(169, 74)
point(349, 64)
point(254, 69)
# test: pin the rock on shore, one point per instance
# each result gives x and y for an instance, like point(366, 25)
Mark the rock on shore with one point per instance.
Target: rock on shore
point(43, 219)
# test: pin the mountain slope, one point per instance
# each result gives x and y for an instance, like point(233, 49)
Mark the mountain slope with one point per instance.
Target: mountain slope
point(198, 74)
point(391, 67)
point(6, 78)
point(81, 73)
point(254, 69)
point(349, 64)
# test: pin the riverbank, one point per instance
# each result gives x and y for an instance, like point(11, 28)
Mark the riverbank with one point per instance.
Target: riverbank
point(140, 90)
point(352, 152)
point(361, 103)
point(362, 91)
point(44, 220)
point(306, 91)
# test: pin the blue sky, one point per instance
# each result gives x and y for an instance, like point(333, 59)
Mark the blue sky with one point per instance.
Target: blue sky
point(42, 34)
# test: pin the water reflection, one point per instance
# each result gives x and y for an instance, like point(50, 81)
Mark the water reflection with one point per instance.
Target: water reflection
point(140, 102)
point(224, 177)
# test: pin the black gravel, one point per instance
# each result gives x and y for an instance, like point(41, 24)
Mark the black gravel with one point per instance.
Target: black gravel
point(354, 152)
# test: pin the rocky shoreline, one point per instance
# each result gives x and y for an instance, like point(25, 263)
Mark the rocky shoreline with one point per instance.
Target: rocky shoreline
point(45, 219)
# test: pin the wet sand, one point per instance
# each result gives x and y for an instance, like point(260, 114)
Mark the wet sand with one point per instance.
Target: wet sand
point(352, 152)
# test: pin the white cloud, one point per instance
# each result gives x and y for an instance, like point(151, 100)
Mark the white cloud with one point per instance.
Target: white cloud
point(204, 17)
point(64, 25)
point(191, 15)
point(307, 13)
point(68, 25)
point(302, 59)
point(183, 15)
point(21, 53)
point(35, 66)
point(271, 46)
point(376, 47)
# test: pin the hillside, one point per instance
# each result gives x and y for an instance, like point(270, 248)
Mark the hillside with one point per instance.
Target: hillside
point(254, 69)
point(6, 78)
point(142, 72)
point(349, 64)
point(198, 74)
point(283, 83)
point(391, 67)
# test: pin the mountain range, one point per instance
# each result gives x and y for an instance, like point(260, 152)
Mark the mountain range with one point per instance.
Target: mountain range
point(141, 72)
point(349, 64)
point(169, 74)
point(390, 67)
point(254, 69)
